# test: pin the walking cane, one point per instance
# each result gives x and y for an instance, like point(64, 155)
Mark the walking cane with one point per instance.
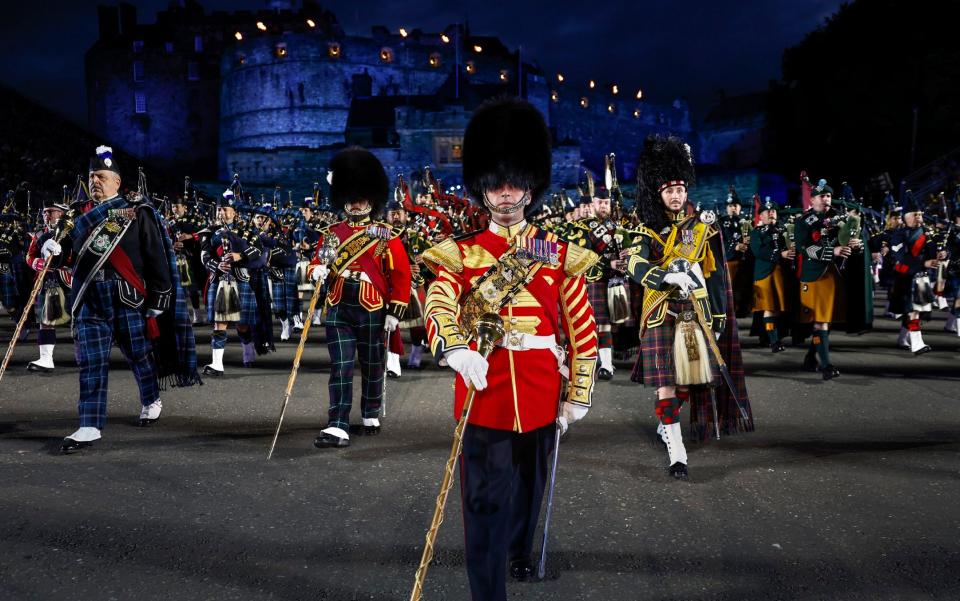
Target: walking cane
point(489, 331)
point(328, 252)
point(37, 285)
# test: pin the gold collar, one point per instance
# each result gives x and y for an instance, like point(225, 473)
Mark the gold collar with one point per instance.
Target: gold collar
point(507, 231)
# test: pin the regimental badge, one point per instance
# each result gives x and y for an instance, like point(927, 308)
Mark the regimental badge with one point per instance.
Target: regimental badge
point(100, 243)
point(708, 217)
point(535, 249)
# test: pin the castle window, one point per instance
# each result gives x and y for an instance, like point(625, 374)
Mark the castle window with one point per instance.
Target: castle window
point(333, 50)
point(504, 75)
point(435, 59)
point(198, 43)
point(280, 50)
point(447, 150)
point(138, 71)
point(168, 47)
point(471, 67)
point(193, 71)
point(554, 96)
point(139, 103)
point(241, 58)
point(137, 46)
point(584, 102)
point(611, 108)
point(386, 55)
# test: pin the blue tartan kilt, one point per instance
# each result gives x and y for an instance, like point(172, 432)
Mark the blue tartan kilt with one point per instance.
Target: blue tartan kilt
point(286, 296)
point(11, 276)
point(248, 301)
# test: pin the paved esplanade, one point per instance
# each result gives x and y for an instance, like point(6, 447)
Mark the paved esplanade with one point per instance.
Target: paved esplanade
point(849, 489)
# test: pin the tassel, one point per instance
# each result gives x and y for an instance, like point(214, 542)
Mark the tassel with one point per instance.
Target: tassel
point(690, 355)
point(618, 301)
point(226, 304)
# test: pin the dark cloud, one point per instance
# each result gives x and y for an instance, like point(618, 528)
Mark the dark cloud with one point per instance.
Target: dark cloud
point(669, 49)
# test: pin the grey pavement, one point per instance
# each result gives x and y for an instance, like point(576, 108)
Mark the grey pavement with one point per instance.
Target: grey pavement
point(849, 489)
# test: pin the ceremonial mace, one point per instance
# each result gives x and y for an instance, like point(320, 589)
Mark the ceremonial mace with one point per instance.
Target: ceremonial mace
point(489, 330)
point(63, 230)
point(328, 252)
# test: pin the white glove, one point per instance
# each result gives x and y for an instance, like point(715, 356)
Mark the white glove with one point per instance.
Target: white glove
point(153, 313)
point(569, 413)
point(390, 323)
point(471, 366)
point(319, 273)
point(681, 280)
point(50, 247)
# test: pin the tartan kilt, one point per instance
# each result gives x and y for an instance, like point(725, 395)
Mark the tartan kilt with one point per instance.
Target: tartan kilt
point(597, 295)
point(248, 301)
point(286, 295)
point(655, 366)
point(11, 275)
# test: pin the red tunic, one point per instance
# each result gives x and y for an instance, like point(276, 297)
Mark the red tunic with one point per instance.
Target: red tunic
point(523, 386)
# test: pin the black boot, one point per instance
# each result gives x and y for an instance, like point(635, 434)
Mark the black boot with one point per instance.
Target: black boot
point(679, 471)
point(830, 372)
point(521, 570)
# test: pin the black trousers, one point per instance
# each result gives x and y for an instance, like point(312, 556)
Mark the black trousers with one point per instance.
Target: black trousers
point(502, 480)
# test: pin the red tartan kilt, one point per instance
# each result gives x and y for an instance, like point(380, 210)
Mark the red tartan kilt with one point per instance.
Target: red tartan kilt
point(537, 383)
point(597, 295)
point(655, 366)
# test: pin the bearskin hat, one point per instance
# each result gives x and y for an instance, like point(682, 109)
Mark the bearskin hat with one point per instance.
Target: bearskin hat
point(507, 142)
point(357, 174)
point(664, 161)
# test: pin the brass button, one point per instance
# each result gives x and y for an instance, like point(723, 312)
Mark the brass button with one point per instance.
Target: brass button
point(513, 320)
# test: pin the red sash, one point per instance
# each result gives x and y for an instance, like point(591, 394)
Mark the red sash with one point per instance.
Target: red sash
point(121, 263)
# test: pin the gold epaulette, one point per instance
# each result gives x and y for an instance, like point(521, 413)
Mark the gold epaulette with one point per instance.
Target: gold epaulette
point(445, 253)
point(578, 260)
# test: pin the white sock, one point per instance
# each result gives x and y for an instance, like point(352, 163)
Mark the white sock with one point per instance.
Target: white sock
point(216, 359)
point(916, 341)
point(673, 436)
point(606, 359)
point(86, 434)
point(393, 363)
point(371, 421)
point(336, 432)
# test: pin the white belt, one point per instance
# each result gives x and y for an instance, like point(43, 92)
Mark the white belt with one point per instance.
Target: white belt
point(354, 275)
point(519, 341)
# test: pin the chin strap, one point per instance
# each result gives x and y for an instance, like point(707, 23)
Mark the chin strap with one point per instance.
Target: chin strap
point(524, 201)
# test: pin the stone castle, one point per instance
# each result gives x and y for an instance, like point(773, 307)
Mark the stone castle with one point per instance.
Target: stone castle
point(272, 94)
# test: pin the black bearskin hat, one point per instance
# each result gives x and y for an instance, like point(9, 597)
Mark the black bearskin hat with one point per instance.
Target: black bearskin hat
point(357, 174)
point(664, 161)
point(507, 142)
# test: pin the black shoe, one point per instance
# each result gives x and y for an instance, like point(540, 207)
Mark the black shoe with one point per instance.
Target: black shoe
point(777, 347)
point(810, 361)
point(903, 347)
point(209, 370)
point(70, 446)
point(521, 570)
point(39, 368)
point(679, 471)
point(326, 440)
point(605, 374)
point(371, 430)
point(925, 349)
point(146, 423)
point(392, 374)
point(830, 372)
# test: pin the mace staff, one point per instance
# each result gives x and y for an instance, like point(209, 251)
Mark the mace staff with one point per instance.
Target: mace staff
point(37, 285)
point(328, 252)
point(489, 331)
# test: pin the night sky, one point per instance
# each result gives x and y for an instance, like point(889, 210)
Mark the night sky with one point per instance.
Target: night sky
point(669, 49)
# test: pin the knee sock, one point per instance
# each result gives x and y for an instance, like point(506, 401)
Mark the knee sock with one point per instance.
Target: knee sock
point(668, 410)
point(245, 335)
point(821, 338)
point(770, 325)
point(46, 336)
point(219, 339)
